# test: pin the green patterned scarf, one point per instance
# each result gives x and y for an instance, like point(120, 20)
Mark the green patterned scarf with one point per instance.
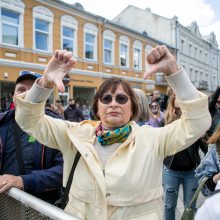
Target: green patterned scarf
point(108, 137)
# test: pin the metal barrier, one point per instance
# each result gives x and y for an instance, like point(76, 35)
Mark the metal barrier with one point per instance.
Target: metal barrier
point(19, 205)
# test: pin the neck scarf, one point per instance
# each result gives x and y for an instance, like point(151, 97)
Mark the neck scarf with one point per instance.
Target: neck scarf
point(108, 137)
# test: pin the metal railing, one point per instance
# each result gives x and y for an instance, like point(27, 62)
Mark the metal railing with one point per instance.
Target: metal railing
point(19, 205)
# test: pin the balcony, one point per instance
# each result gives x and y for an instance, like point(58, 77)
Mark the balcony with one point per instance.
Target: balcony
point(202, 85)
point(160, 79)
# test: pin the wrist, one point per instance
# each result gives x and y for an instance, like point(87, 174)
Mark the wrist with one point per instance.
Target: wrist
point(43, 82)
point(173, 67)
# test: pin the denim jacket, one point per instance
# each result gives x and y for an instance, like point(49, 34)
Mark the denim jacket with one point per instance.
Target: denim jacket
point(209, 166)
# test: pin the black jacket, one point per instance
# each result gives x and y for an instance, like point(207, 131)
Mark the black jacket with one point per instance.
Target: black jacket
point(73, 114)
point(192, 152)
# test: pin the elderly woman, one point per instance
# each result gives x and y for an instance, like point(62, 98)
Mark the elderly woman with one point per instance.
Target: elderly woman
point(119, 175)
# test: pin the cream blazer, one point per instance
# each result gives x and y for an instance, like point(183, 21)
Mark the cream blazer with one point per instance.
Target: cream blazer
point(132, 185)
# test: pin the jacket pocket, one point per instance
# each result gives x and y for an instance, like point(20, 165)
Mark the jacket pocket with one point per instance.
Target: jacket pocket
point(76, 207)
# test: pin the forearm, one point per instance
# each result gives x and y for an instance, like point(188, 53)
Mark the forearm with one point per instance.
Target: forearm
point(182, 86)
point(37, 93)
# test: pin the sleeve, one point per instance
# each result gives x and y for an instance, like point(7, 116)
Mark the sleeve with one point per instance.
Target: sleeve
point(208, 168)
point(43, 180)
point(51, 132)
point(182, 133)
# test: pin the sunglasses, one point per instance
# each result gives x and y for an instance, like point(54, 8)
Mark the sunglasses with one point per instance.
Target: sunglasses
point(154, 106)
point(27, 72)
point(119, 98)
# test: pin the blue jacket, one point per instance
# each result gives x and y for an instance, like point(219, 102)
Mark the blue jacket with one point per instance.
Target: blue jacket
point(209, 166)
point(46, 177)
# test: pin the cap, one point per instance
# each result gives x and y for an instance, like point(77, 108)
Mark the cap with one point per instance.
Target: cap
point(26, 74)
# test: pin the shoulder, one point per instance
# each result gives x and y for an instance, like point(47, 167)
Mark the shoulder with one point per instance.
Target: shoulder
point(7, 115)
point(52, 113)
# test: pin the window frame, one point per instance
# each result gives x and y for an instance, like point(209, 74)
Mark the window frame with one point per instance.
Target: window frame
point(92, 30)
point(70, 22)
point(43, 13)
point(137, 46)
point(124, 40)
point(16, 6)
point(109, 35)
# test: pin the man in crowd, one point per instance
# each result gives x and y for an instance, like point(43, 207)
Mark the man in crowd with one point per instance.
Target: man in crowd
point(25, 163)
point(72, 113)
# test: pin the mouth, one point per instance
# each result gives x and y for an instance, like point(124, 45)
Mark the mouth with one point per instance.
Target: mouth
point(113, 113)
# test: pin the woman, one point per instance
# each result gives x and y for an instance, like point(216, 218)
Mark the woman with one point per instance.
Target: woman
point(156, 116)
point(119, 175)
point(143, 107)
point(210, 165)
point(179, 168)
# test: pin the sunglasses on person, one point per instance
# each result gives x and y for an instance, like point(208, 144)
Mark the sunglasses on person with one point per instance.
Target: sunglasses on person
point(27, 72)
point(119, 98)
point(154, 106)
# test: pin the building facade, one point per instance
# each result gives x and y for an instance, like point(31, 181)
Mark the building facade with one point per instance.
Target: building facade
point(32, 29)
point(198, 54)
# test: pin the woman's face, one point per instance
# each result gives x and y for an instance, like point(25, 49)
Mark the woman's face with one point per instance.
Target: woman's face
point(114, 114)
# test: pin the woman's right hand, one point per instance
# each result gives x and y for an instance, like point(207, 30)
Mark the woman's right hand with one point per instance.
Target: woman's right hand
point(59, 65)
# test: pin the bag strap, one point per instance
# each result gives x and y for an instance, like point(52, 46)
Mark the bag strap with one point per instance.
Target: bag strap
point(17, 143)
point(196, 194)
point(69, 182)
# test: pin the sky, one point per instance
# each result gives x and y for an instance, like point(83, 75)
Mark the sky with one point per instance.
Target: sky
point(205, 12)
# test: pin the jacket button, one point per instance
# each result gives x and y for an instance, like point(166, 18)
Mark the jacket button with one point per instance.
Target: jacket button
point(86, 155)
point(108, 194)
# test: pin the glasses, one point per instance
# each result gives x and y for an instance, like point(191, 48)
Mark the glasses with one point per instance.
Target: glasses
point(119, 98)
point(154, 106)
point(27, 72)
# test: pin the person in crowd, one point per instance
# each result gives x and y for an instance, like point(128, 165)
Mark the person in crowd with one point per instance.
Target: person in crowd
point(144, 110)
point(156, 116)
point(210, 165)
point(157, 96)
point(85, 112)
point(58, 108)
point(72, 113)
point(3, 105)
point(214, 109)
point(119, 174)
point(39, 169)
point(179, 168)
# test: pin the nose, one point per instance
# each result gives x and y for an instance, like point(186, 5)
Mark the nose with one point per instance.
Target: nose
point(113, 103)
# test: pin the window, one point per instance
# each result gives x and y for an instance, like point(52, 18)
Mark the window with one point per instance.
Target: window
point(43, 37)
point(107, 51)
point(137, 55)
point(69, 34)
point(89, 46)
point(11, 22)
point(108, 47)
point(190, 50)
point(41, 34)
point(182, 46)
point(124, 51)
point(90, 41)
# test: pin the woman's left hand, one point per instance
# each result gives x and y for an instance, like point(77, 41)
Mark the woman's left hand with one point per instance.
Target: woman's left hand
point(161, 60)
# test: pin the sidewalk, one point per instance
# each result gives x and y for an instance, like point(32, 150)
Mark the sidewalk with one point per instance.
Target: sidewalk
point(180, 207)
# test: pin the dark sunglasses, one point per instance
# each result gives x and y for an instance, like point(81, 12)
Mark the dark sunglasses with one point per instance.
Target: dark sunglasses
point(27, 72)
point(119, 98)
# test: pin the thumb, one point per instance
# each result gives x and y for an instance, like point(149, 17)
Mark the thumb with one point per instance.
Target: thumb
point(60, 85)
point(153, 69)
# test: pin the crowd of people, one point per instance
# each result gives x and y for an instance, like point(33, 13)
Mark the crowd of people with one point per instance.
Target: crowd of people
point(134, 154)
